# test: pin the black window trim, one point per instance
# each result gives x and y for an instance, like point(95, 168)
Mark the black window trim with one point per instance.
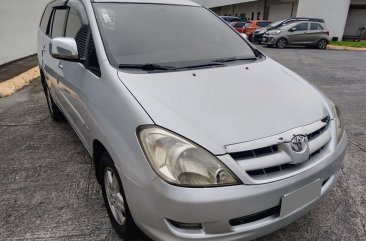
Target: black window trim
point(86, 60)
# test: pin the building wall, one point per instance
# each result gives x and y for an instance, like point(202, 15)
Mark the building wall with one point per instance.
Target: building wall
point(19, 20)
point(334, 13)
point(278, 9)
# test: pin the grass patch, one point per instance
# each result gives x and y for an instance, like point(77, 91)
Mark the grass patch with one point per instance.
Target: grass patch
point(349, 44)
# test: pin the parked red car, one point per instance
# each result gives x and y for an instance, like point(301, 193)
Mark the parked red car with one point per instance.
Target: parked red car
point(239, 26)
point(253, 25)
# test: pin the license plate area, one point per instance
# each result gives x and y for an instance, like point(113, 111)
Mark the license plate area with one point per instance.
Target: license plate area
point(299, 198)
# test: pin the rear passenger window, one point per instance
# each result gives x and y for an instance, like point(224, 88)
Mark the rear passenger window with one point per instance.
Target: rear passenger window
point(45, 19)
point(58, 26)
point(316, 26)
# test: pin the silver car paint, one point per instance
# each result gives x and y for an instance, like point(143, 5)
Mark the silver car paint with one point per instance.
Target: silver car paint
point(216, 109)
point(110, 108)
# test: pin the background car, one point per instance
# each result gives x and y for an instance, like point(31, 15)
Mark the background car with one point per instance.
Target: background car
point(230, 19)
point(239, 26)
point(306, 33)
point(258, 34)
point(252, 26)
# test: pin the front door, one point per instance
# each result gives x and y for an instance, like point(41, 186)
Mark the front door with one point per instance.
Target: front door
point(300, 34)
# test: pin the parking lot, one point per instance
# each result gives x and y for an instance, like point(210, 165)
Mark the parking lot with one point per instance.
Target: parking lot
point(48, 190)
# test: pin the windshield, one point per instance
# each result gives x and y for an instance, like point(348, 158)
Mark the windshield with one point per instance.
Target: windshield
point(275, 24)
point(140, 34)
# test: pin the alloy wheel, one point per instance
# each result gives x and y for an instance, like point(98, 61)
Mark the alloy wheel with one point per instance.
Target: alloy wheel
point(281, 43)
point(115, 199)
point(322, 44)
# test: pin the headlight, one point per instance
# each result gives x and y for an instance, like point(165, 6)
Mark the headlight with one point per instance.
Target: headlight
point(181, 162)
point(275, 32)
point(338, 120)
point(261, 31)
point(339, 125)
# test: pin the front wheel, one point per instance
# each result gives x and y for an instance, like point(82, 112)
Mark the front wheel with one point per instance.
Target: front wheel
point(55, 112)
point(115, 199)
point(322, 44)
point(281, 43)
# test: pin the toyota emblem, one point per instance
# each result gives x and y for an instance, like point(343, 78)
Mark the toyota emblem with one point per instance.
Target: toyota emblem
point(299, 143)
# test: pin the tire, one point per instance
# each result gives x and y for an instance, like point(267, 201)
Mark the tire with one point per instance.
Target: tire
point(281, 43)
point(55, 112)
point(115, 200)
point(322, 44)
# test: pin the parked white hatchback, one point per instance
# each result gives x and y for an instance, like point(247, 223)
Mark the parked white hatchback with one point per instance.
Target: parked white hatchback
point(195, 134)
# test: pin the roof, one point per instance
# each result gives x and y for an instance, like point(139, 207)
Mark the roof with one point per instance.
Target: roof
point(171, 2)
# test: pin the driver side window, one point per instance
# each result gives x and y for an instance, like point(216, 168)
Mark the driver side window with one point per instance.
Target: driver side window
point(79, 29)
point(302, 27)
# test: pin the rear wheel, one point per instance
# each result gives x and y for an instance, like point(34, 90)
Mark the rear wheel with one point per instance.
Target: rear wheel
point(322, 44)
point(281, 43)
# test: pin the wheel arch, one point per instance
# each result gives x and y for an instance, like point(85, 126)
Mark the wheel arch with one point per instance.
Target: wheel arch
point(98, 150)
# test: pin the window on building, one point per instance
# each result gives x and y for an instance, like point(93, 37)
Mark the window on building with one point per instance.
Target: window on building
point(252, 16)
point(302, 27)
point(58, 26)
point(258, 15)
point(316, 26)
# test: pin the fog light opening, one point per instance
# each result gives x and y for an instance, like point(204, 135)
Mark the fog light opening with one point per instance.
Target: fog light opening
point(186, 226)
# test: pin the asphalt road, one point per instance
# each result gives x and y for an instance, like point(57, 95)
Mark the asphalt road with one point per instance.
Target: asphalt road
point(47, 185)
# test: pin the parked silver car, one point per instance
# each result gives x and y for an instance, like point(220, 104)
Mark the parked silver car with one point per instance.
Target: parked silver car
point(308, 33)
point(194, 133)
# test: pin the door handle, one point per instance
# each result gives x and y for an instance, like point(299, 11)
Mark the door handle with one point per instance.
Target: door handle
point(60, 65)
point(44, 49)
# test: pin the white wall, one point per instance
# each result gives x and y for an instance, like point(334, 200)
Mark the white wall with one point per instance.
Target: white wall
point(334, 13)
point(19, 20)
point(280, 11)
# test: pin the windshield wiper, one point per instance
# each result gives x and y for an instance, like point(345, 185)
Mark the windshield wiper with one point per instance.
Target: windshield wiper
point(146, 67)
point(201, 65)
point(153, 67)
point(233, 59)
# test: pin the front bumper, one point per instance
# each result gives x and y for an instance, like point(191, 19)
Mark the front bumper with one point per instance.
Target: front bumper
point(214, 208)
point(257, 37)
point(269, 39)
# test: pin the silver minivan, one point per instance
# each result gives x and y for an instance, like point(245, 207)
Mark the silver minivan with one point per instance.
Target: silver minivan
point(194, 133)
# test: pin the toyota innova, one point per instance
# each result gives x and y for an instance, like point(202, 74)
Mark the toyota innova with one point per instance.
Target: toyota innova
point(194, 133)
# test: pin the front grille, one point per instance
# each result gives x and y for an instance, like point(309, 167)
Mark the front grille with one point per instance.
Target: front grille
point(275, 161)
point(275, 211)
point(255, 153)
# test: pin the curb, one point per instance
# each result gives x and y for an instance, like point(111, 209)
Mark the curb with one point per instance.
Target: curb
point(336, 47)
point(11, 86)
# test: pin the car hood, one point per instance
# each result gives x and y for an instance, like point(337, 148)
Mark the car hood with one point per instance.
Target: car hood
point(227, 105)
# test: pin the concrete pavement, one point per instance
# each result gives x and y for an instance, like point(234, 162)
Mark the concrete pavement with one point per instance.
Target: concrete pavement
point(48, 190)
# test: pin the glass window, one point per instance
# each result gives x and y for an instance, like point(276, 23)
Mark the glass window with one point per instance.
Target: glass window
point(46, 19)
point(74, 23)
point(201, 38)
point(316, 26)
point(263, 24)
point(239, 25)
point(302, 27)
point(58, 26)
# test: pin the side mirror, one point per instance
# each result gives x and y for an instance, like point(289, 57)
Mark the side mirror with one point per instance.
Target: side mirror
point(64, 49)
point(293, 29)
